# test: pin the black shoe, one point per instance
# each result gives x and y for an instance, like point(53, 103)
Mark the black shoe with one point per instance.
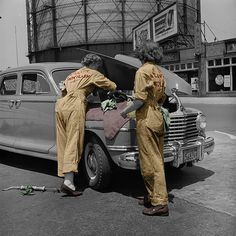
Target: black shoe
point(68, 191)
point(145, 202)
point(160, 210)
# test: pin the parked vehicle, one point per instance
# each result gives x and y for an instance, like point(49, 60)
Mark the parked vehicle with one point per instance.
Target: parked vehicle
point(27, 120)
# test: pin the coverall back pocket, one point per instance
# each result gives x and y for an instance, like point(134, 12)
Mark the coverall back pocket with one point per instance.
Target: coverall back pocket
point(154, 120)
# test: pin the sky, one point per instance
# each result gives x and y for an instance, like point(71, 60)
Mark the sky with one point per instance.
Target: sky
point(219, 15)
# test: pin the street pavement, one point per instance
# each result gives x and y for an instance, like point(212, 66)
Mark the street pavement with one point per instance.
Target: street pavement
point(201, 198)
point(217, 189)
point(209, 100)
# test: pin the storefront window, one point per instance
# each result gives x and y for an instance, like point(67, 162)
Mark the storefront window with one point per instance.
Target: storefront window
point(219, 79)
point(195, 64)
point(211, 63)
point(218, 62)
point(234, 60)
point(189, 65)
point(188, 75)
point(226, 61)
point(176, 67)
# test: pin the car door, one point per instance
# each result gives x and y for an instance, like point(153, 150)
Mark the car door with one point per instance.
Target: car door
point(8, 88)
point(35, 120)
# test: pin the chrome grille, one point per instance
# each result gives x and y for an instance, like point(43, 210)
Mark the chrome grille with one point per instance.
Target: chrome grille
point(182, 128)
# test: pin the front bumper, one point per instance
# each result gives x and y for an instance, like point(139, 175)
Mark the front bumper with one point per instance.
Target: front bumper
point(176, 153)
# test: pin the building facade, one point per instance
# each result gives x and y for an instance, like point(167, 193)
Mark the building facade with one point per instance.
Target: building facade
point(215, 72)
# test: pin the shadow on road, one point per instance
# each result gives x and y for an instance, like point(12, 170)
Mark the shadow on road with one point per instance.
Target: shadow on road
point(126, 182)
point(130, 183)
point(40, 165)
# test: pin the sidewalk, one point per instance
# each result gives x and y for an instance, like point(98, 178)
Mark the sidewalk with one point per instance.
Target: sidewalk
point(209, 100)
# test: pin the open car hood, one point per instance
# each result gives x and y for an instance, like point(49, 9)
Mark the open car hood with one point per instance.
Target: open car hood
point(121, 69)
point(173, 81)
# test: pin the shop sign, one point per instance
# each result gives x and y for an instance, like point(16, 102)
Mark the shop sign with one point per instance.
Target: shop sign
point(231, 47)
point(197, 39)
point(141, 33)
point(194, 83)
point(227, 81)
point(219, 79)
point(165, 24)
point(171, 57)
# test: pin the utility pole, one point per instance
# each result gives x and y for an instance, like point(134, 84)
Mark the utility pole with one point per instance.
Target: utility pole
point(123, 2)
point(198, 52)
point(17, 60)
point(86, 23)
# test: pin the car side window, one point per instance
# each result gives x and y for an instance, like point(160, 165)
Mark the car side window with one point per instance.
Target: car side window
point(34, 83)
point(8, 85)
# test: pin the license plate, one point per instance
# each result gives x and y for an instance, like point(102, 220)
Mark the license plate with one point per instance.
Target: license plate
point(190, 154)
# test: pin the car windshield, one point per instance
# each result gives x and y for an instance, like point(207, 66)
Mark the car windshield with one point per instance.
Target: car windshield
point(60, 75)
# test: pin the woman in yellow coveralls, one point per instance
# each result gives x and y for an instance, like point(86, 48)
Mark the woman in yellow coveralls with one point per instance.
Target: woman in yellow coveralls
point(70, 117)
point(149, 88)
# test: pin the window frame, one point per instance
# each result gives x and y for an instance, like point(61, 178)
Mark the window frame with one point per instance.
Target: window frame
point(38, 73)
point(5, 77)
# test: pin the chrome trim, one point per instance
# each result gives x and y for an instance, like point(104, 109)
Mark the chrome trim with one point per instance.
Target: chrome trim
point(127, 129)
point(101, 128)
point(173, 152)
point(122, 148)
point(93, 127)
point(209, 145)
point(36, 101)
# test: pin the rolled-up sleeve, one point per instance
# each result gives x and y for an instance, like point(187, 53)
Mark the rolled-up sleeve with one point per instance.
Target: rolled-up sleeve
point(140, 85)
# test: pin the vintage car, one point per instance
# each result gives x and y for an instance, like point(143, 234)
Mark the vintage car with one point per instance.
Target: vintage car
point(27, 119)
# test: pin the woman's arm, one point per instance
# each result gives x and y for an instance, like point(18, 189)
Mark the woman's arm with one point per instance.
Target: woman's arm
point(133, 106)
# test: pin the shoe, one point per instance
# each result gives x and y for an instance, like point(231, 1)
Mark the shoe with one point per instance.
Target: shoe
point(159, 210)
point(144, 202)
point(70, 192)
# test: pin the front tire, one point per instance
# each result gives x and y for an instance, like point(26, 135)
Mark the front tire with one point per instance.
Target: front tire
point(96, 165)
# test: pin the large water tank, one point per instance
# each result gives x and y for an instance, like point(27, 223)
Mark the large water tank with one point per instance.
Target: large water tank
point(95, 24)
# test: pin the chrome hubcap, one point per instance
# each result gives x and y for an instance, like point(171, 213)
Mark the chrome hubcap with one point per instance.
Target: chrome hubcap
point(92, 165)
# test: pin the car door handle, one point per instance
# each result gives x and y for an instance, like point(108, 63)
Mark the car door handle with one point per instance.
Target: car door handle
point(11, 103)
point(17, 103)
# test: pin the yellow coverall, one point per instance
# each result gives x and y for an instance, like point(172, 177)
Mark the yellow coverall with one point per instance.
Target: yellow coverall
point(149, 87)
point(70, 116)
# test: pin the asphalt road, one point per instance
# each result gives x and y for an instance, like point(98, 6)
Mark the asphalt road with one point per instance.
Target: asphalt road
point(202, 198)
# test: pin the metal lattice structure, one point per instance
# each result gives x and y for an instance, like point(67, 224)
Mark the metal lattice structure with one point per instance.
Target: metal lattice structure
point(59, 23)
point(56, 24)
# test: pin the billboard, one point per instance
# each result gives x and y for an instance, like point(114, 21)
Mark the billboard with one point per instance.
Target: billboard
point(165, 24)
point(141, 34)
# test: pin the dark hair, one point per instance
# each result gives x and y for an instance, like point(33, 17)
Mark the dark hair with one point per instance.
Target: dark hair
point(149, 51)
point(91, 59)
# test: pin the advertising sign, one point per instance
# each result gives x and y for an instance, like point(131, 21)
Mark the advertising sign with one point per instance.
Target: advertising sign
point(141, 34)
point(219, 79)
point(194, 83)
point(165, 24)
point(231, 47)
point(197, 38)
point(226, 81)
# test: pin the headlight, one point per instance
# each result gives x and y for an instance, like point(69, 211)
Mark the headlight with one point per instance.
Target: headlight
point(201, 122)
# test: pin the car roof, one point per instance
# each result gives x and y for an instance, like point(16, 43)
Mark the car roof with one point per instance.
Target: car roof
point(49, 66)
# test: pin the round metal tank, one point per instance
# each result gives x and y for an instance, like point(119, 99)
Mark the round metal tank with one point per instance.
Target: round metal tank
point(63, 23)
